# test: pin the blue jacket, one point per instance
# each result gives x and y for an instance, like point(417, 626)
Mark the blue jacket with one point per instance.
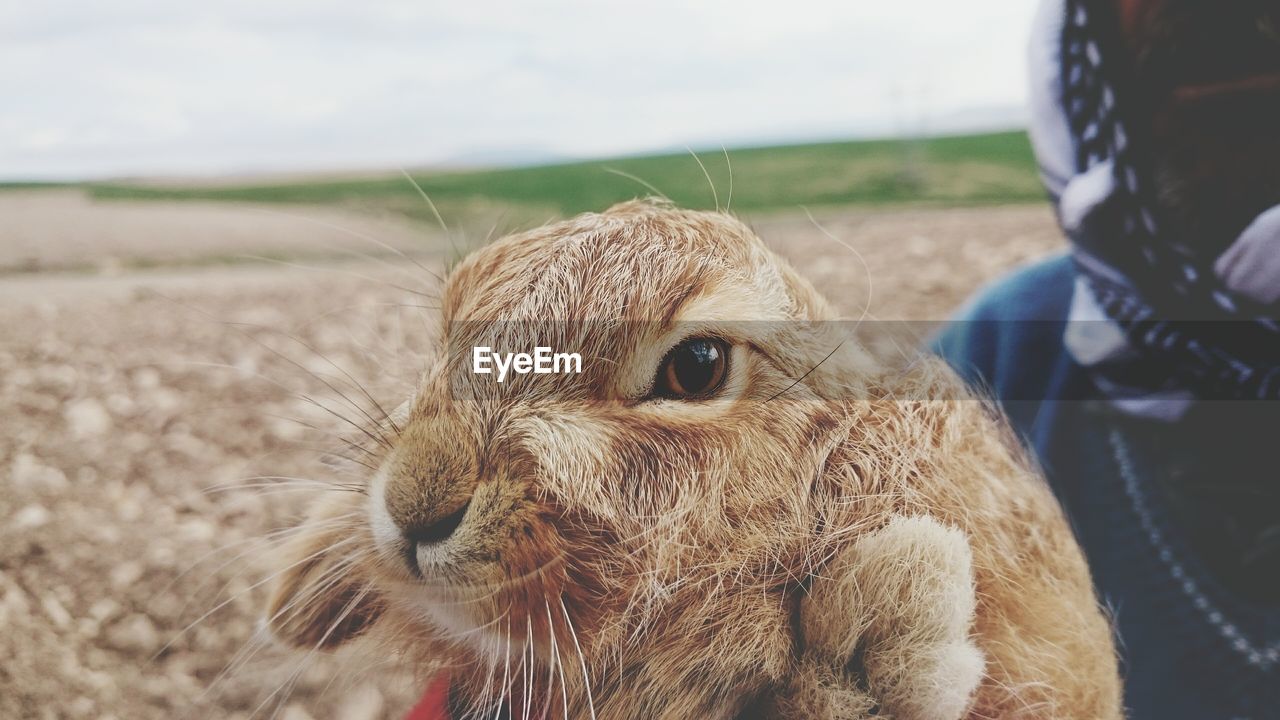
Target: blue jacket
point(1190, 648)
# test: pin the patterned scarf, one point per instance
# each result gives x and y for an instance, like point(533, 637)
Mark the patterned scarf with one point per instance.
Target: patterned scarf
point(1157, 326)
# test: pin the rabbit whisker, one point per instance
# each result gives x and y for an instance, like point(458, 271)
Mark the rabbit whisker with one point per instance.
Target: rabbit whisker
point(637, 179)
point(355, 234)
point(506, 674)
point(715, 195)
point(558, 660)
point(254, 586)
point(728, 205)
point(586, 678)
point(288, 687)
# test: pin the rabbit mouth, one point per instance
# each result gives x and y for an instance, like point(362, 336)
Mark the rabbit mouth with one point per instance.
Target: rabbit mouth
point(431, 545)
point(424, 551)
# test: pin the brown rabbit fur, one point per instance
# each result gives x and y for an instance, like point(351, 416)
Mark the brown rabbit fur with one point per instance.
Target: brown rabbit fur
point(823, 539)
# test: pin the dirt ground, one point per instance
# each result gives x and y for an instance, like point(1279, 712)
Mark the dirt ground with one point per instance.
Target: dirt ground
point(155, 423)
point(48, 230)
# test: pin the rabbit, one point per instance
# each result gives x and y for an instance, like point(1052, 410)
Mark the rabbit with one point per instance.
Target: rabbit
point(732, 511)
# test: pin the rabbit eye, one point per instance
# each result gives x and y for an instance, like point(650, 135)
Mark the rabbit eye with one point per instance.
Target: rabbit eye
point(695, 368)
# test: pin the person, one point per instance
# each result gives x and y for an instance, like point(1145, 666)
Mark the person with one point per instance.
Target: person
point(1143, 367)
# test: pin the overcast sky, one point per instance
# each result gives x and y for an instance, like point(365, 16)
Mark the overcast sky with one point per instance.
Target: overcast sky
point(97, 88)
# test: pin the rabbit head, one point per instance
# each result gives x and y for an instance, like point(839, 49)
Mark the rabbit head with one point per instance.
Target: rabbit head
point(609, 521)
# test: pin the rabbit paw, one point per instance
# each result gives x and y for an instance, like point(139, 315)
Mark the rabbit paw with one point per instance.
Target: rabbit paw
point(900, 603)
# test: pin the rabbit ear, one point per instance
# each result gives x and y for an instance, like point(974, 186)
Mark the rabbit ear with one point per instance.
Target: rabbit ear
point(320, 600)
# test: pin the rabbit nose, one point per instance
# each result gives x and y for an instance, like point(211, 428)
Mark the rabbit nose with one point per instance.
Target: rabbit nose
point(428, 530)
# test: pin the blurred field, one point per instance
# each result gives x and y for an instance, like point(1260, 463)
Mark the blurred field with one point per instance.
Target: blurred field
point(950, 171)
point(107, 237)
point(159, 378)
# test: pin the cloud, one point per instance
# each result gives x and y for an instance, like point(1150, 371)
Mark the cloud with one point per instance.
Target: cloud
point(143, 87)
